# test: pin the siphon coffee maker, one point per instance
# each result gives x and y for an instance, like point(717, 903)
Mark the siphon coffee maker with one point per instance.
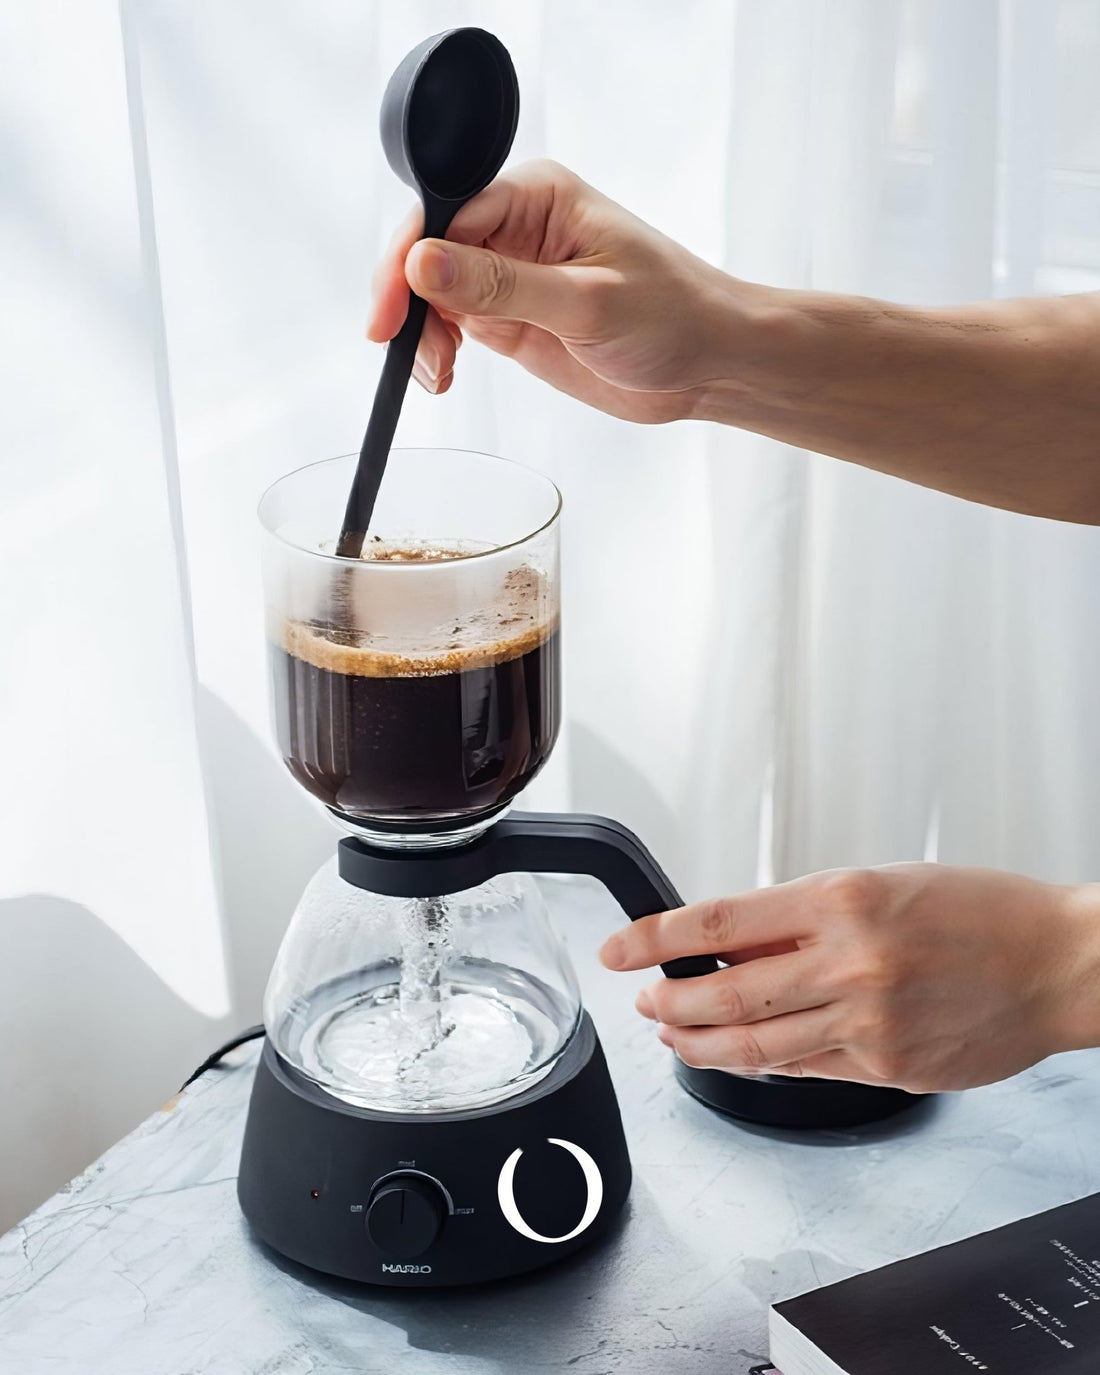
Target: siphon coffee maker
point(432, 1105)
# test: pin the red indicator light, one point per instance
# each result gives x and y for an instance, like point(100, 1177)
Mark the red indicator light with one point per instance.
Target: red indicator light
point(315, 1193)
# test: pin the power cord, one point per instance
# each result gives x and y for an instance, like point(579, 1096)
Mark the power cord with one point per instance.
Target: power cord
point(211, 1060)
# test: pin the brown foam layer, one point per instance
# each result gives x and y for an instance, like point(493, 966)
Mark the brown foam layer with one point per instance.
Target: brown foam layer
point(313, 645)
point(378, 550)
point(513, 627)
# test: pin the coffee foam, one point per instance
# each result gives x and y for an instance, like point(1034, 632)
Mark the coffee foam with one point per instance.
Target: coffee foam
point(518, 620)
point(379, 550)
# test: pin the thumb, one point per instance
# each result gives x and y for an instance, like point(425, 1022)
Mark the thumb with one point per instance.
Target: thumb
point(477, 281)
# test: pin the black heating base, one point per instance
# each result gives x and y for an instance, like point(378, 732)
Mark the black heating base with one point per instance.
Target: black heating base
point(416, 1200)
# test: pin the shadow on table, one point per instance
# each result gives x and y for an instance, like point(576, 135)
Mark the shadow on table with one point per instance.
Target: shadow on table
point(95, 1040)
point(496, 1320)
point(551, 1318)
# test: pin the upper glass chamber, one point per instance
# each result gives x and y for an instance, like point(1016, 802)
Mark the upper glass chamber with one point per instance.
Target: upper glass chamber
point(418, 686)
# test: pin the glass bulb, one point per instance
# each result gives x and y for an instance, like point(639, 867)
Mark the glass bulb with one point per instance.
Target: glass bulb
point(422, 1004)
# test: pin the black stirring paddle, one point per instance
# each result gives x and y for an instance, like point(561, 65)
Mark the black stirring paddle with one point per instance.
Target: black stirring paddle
point(448, 119)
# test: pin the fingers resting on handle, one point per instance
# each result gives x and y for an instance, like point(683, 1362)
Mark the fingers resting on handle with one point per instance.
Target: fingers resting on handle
point(921, 976)
point(720, 927)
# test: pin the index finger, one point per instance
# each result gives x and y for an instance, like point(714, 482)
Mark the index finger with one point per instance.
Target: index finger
point(516, 213)
point(483, 214)
point(722, 926)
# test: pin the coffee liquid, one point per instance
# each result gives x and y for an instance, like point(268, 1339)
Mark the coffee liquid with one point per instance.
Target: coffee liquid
point(449, 730)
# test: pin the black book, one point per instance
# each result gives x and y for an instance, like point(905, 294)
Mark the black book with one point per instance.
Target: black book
point(1021, 1300)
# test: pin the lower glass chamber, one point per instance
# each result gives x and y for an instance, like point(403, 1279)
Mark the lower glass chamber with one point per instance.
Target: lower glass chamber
point(421, 1005)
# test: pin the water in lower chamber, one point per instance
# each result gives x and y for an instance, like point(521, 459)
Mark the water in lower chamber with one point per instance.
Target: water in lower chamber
point(498, 1031)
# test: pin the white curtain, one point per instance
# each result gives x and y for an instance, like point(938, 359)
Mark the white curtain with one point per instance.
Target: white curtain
point(774, 662)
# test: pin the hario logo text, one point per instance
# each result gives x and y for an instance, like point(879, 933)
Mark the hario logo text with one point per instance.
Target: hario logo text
point(406, 1269)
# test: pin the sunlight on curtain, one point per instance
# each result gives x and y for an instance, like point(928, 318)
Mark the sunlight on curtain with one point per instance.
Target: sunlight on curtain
point(937, 679)
point(101, 795)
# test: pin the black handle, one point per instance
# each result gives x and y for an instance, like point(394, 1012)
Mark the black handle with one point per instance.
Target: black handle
point(384, 415)
point(388, 399)
point(529, 842)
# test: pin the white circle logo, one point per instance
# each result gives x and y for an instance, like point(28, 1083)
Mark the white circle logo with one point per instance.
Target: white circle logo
point(593, 1182)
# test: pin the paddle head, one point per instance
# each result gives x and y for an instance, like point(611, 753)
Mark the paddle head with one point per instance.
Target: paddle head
point(449, 116)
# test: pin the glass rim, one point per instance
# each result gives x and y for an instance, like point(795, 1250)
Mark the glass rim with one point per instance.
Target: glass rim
point(411, 563)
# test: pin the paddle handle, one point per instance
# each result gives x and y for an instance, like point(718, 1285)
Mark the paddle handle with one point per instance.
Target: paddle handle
point(388, 399)
point(528, 843)
point(384, 415)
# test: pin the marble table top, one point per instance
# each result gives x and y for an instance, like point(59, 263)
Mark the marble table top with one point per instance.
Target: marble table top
point(144, 1266)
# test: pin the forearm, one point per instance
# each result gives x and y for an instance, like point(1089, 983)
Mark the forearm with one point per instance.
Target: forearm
point(997, 402)
point(1078, 1025)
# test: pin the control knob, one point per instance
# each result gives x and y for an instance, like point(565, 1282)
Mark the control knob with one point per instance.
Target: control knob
point(405, 1214)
